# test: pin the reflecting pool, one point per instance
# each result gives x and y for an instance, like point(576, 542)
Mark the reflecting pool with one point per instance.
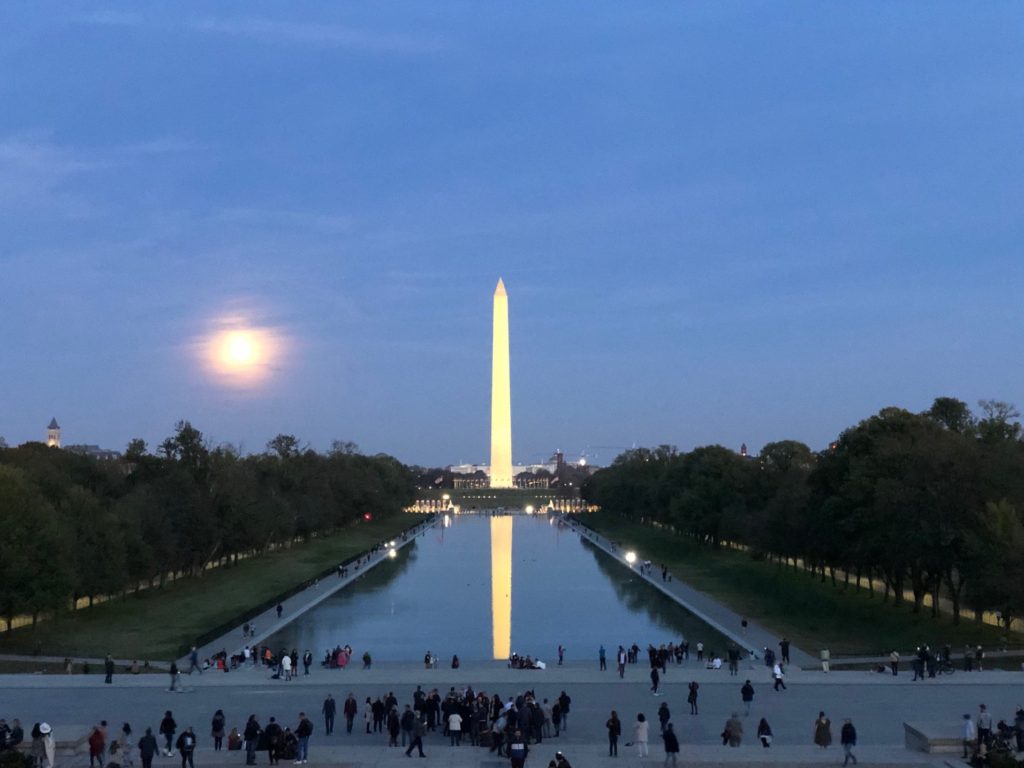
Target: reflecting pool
point(482, 587)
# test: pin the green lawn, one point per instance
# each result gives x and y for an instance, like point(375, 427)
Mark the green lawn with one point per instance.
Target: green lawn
point(812, 614)
point(155, 623)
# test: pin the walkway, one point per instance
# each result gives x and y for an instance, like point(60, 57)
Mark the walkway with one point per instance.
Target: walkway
point(267, 623)
point(754, 637)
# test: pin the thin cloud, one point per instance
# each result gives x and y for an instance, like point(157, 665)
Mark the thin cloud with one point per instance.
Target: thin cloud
point(279, 32)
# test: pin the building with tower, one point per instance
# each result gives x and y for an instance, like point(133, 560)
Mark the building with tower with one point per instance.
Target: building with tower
point(53, 434)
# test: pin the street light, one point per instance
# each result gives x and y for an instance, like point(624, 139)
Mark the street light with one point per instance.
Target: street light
point(392, 553)
point(631, 557)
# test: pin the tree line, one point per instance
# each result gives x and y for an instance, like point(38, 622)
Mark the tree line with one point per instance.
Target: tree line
point(925, 503)
point(74, 527)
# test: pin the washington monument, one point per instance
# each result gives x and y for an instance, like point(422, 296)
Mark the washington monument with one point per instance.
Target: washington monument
point(501, 399)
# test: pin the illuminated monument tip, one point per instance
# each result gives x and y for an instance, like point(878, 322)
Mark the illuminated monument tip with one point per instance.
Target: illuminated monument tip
point(501, 399)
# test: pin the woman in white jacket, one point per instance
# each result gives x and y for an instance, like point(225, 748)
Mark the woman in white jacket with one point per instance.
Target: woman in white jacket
point(640, 735)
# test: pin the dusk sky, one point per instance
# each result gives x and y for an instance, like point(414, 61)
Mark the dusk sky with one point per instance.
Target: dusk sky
point(717, 222)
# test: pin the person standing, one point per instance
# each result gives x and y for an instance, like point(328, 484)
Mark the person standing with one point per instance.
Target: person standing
point(302, 732)
point(217, 730)
point(108, 668)
point(671, 745)
point(455, 728)
point(984, 725)
point(640, 733)
point(148, 747)
point(602, 663)
point(561, 654)
point(700, 651)
point(564, 701)
point(970, 736)
point(167, 729)
point(307, 660)
point(620, 659)
point(784, 649)
point(822, 731)
point(614, 726)
point(408, 724)
point(330, 708)
point(272, 738)
point(894, 662)
point(186, 745)
point(691, 696)
point(655, 679)
point(251, 735)
point(747, 694)
point(286, 666)
point(280, 610)
point(848, 738)
point(97, 746)
point(825, 656)
point(175, 677)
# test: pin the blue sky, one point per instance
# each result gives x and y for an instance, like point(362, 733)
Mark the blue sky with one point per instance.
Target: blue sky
point(717, 222)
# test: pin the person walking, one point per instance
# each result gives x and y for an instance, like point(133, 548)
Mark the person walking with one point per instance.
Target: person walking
point(777, 676)
point(368, 715)
point(108, 668)
point(272, 741)
point(822, 731)
point(640, 733)
point(620, 660)
point(970, 735)
point(614, 726)
point(167, 729)
point(602, 662)
point(894, 662)
point(825, 656)
point(732, 734)
point(217, 730)
point(764, 733)
point(671, 745)
point(691, 696)
point(664, 715)
point(148, 747)
point(655, 679)
point(280, 610)
point(784, 650)
point(848, 738)
point(186, 746)
point(175, 676)
point(193, 661)
point(302, 732)
point(330, 708)
point(518, 750)
point(97, 746)
point(419, 730)
point(747, 694)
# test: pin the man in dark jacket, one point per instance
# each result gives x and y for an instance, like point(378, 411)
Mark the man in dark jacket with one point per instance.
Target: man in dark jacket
point(186, 745)
point(328, 710)
point(303, 731)
point(251, 734)
point(848, 738)
point(167, 729)
point(351, 709)
point(518, 750)
point(272, 740)
point(108, 668)
point(148, 748)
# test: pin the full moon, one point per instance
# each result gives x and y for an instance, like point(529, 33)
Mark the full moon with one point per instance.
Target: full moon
point(242, 356)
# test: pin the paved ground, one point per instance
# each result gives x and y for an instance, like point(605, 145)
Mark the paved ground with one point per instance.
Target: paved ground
point(878, 705)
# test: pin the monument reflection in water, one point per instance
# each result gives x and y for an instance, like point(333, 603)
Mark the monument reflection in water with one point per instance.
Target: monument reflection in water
point(534, 583)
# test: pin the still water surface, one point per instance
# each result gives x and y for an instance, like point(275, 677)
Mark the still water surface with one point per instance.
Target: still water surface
point(437, 595)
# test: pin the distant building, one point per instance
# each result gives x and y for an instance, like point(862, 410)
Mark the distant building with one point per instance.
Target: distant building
point(53, 434)
point(94, 452)
point(743, 450)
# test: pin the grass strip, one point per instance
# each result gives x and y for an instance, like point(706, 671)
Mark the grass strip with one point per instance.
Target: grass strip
point(153, 624)
point(795, 604)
